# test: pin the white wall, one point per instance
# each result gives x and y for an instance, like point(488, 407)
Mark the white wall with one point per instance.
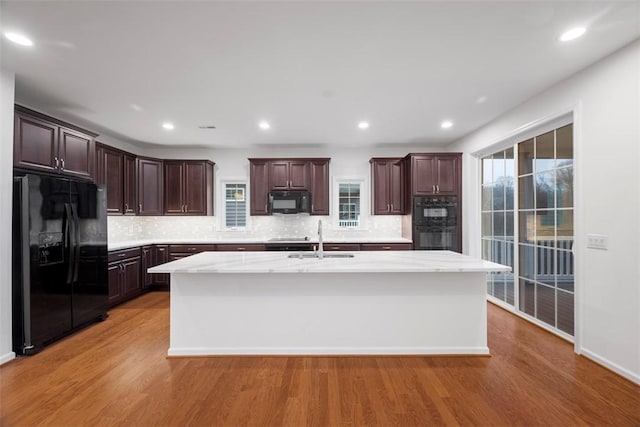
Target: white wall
point(7, 91)
point(605, 101)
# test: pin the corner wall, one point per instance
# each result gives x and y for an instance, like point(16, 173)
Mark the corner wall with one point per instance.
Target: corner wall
point(605, 102)
point(7, 93)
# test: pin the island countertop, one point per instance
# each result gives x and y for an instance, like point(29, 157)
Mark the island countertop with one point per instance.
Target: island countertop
point(362, 262)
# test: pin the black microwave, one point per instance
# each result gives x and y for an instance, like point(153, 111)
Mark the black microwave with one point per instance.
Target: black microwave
point(289, 202)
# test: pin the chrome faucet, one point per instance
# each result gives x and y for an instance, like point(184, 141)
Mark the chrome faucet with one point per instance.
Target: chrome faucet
point(320, 247)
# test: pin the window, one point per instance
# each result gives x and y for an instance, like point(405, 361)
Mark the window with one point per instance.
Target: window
point(544, 213)
point(349, 205)
point(235, 205)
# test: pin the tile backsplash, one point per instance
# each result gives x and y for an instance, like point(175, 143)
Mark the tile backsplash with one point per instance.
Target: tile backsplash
point(125, 228)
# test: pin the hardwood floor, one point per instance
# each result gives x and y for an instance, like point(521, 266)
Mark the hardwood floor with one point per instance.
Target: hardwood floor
point(116, 373)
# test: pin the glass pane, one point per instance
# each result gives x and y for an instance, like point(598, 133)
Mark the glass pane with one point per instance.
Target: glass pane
point(508, 195)
point(489, 283)
point(486, 249)
point(487, 170)
point(545, 270)
point(545, 187)
point(564, 229)
point(527, 261)
point(498, 196)
point(526, 222)
point(525, 189)
point(564, 187)
point(525, 157)
point(565, 268)
point(498, 253)
point(508, 284)
point(498, 225)
point(546, 304)
point(509, 170)
point(508, 223)
point(527, 295)
point(564, 145)
point(545, 228)
point(487, 229)
point(498, 287)
point(487, 197)
point(545, 156)
point(509, 256)
point(498, 166)
point(565, 312)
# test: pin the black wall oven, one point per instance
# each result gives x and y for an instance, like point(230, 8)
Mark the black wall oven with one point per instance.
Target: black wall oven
point(435, 223)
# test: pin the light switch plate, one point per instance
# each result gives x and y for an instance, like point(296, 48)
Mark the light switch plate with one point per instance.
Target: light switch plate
point(598, 241)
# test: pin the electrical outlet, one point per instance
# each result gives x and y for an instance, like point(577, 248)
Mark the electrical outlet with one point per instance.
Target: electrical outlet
point(598, 241)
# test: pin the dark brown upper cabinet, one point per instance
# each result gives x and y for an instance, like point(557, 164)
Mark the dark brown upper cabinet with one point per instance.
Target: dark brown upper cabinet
point(388, 185)
point(289, 174)
point(149, 186)
point(438, 173)
point(319, 172)
point(259, 182)
point(116, 170)
point(46, 144)
point(188, 187)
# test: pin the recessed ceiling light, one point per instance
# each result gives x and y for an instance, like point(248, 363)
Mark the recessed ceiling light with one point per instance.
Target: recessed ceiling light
point(363, 125)
point(481, 100)
point(136, 107)
point(446, 124)
point(168, 126)
point(19, 39)
point(572, 34)
point(264, 125)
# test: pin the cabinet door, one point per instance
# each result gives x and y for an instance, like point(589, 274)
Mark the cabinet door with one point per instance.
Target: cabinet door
point(146, 262)
point(279, 175)
point(173, 188)
point(298, 175)
point(76, 153)
point(381, 190)
point(131, 284)
point(114, 272)
point(396, 187)
point(447, 174)
point(423, 175)
point(319, 187)
point(259, 181)
point(113, 169)
point(195, 199)
point(129, 199)
point(99, 175)
point(161, 257)
point(35, 144)
point(149, 186)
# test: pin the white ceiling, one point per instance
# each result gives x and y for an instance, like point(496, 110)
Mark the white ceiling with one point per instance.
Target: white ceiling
point(312, 69)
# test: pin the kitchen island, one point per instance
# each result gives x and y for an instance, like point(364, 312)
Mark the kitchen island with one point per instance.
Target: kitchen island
point(403, 302)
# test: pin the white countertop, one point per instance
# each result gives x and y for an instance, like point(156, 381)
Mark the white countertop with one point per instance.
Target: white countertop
point(112, 246)
point(362, 262)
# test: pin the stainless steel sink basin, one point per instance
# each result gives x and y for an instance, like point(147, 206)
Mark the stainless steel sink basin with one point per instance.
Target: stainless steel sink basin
point(306, 255)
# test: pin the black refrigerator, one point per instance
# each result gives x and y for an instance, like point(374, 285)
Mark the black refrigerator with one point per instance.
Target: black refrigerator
point(59, 258)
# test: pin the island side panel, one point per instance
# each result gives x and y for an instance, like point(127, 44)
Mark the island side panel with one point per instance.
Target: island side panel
point(328, 313)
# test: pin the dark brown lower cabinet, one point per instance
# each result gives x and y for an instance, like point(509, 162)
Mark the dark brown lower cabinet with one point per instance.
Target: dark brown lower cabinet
point(124, 270)
point(341, 246)
point(386, 246)
point(161, 257)
point(237, 247)
point(148, 261)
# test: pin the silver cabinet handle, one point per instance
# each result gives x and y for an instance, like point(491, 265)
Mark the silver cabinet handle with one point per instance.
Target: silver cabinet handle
point(242, 249)
point(140, 207)
point(391, 206)
point(62, 164)
point(386, 248)
point(55, 159)
point(437, 189)
point(433, 189)
point(126, 207)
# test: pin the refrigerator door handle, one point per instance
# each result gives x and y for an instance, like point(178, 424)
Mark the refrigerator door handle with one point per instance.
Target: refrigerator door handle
point(76, 244)
point(23, 199)
point(70, 236)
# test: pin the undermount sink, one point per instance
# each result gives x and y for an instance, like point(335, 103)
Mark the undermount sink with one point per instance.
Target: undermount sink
point(306, 255)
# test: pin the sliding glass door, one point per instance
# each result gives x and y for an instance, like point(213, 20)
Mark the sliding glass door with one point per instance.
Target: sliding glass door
point(544, 214)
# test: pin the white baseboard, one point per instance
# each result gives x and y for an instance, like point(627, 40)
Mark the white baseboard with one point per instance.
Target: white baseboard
point(631, 376)
point(329, 351)
point(7, 357)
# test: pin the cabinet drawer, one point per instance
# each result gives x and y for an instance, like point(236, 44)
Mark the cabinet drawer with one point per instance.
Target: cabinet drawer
point(386, 246)
point(193, 249)
point(240, 248)
point(341, 247)
point(124, 254)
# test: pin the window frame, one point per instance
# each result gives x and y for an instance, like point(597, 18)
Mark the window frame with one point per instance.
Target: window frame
point(364, 202)
point(223, 202)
